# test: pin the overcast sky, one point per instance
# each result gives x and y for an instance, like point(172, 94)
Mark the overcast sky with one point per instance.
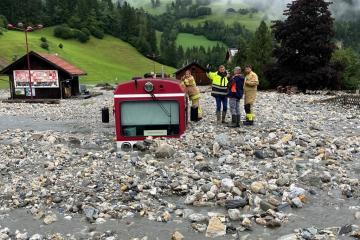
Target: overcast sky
point(275, 8)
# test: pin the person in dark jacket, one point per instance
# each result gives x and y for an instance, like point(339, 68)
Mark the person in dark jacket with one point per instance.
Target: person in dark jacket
point(235, 93)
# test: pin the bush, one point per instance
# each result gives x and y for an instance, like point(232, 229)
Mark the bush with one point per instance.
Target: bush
point(97, 32)
point(75, 22)
point(86, 31)
point(230, 10)
point(63, 32)
point(61, 46)
point(3, 21)
point(44, 45)
point(43, 39)
point(350, 77)
point(81, 36)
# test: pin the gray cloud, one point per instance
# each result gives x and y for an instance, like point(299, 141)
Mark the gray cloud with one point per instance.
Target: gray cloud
point(275, 8)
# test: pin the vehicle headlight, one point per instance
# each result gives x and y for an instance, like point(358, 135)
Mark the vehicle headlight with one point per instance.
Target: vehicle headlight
point(149, 87)
point(126, 147)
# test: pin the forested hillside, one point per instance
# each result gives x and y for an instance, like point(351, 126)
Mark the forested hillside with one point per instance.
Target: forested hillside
point(109, 60)
point(164, 30)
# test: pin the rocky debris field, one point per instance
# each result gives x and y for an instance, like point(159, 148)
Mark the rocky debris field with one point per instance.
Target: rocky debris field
point(294, 175)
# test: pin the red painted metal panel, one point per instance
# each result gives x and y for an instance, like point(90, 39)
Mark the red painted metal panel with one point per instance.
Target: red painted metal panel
point(164, 89)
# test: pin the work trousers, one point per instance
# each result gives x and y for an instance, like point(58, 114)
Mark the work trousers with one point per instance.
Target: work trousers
point(221, 100)
point(234, 106)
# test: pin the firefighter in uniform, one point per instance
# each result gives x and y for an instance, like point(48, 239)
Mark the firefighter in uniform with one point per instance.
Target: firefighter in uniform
point(189, 84)
point(250, 90)
point(219, 80)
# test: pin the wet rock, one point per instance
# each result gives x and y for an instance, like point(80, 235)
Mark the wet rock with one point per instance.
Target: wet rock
point(274, 223)
point(264, 205)
point(190, 199)
point(74, 141)
point(197, 217)
point(216, 148)
point(222, 139)
point(166, 216)
point(296, 191)
point(234, 214)
point(259, 154)
point(187, 212)
point(140, 146)
point(257, 187)
point(345, 229)
point(20, 236)
point(273, 201)
point(37, 136)
point(4, 236)
point(261, 221)
point(199, 227)
point(356, 234)
point(297, 202)
point(36, 237)
point(100, 221)
point(91, 213)
point(49, 219)
point(164, 151)
point(283, 181)
point(246, 222)
point(227, 184)
point(51, 139)
point(203, 167)
point(177, 236)
point(239, 203)
point(215, 228)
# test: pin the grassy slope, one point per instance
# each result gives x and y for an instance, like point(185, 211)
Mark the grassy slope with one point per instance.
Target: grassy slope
point(251, 23)
point(218, 9)
point(190, 40)
point(146, 5)
point(109, 60)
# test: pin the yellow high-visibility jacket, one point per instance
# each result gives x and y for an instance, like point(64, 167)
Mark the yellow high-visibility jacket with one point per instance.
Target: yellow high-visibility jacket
point(250, 87)
point(219, 84)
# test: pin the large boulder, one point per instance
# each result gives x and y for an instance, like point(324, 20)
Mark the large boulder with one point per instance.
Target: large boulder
point(164, 151)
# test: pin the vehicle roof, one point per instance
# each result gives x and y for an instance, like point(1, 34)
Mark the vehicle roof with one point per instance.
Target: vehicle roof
point(160, 86)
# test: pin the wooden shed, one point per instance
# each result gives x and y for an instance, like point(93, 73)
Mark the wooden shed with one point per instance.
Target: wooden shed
point(198, 71)
point(51, 77)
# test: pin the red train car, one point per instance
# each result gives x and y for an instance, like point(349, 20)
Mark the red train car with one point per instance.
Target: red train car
point(149, 108)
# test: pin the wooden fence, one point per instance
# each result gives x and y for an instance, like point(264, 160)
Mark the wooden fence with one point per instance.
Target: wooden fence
point(353, 100)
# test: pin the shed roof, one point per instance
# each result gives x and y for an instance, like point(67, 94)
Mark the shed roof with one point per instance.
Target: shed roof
point(53, 60)
point(189, 65)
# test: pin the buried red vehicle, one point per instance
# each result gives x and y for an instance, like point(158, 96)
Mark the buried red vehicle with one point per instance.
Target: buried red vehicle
point(149, 108)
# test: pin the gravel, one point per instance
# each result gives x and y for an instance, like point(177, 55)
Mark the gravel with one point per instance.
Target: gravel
point(60, 161)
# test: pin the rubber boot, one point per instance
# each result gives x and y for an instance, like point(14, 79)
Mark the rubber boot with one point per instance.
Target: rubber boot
point(249, 121)
point(237, 121)
point(218, 117)
point(233, 121)
point(223, 117)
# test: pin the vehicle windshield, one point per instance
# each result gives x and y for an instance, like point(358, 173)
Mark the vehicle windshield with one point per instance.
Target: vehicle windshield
point(149, 118)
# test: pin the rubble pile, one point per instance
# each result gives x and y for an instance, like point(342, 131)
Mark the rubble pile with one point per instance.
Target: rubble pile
point(218, 181)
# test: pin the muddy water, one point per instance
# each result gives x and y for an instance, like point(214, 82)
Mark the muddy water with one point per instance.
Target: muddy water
point(321, 211)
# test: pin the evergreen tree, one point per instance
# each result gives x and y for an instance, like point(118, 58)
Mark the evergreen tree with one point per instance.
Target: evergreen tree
point(260, 51)
point(181, 56)
point(305, 46)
